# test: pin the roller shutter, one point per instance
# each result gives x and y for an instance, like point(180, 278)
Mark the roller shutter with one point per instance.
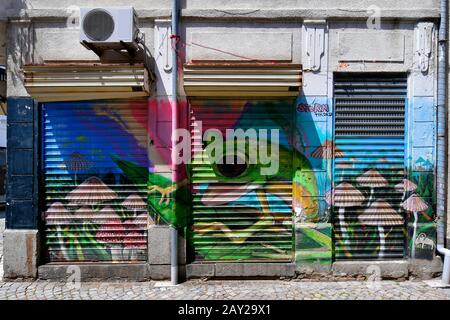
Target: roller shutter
point(238, 213)
point(240, 80)
point(369, 166)
point(93, 211)
point(66, 81)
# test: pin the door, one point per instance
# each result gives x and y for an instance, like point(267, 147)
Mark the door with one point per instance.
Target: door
point(239, 211)
point(369, 173)
point(94, 159)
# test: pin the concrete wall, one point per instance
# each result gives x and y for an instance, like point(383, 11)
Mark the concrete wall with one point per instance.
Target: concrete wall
point(240, 41)
point(355, 48)
point(46, 34)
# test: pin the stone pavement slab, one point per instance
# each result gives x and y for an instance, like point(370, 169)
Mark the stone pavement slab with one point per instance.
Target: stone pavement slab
point(230, 290)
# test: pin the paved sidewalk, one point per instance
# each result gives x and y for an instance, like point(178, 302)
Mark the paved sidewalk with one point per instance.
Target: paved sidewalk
point(230, 290)
point(193, 290)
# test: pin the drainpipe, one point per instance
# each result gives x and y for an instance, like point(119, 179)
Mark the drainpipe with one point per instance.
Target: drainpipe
point(174, 231)
point(442, 142)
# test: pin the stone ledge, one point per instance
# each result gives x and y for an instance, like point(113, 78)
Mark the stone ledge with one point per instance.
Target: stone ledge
point(426, 269)
point(240, 270)
point(395, 269)
point(96, 271)
point(398, 269)
point(162, 272)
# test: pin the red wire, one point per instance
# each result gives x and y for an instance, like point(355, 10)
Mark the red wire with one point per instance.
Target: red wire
point(184, 44)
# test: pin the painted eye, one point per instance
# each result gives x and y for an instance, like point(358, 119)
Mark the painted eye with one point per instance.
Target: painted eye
point(232, 167)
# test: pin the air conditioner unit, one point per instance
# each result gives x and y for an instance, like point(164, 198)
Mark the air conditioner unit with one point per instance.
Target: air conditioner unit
point(108, 27)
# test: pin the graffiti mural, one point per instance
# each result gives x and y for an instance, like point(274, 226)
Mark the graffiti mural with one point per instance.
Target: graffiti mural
point(94, 210)
point(108, 177)
point(238, 212)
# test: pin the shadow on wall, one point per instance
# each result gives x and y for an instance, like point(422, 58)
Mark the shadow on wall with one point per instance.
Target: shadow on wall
point(23, 38)
point(11, 7)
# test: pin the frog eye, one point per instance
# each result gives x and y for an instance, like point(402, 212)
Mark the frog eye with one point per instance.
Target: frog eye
point(232, 167)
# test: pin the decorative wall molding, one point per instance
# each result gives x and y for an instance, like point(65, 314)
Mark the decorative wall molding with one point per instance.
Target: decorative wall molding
point(314, 44)
point(424, 44)
point(163, 56)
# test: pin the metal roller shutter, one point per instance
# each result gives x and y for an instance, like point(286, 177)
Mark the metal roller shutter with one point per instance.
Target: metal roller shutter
point(244, 218)
point(369, 165)
point(93, 211)
point(70, 81)
point(242, 80)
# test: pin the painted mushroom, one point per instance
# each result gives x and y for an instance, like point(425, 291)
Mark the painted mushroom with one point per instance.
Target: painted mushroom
point(91, 192)
point(414, 204)
point(76, 163)
point(346, 196)
point(134, 240)
point(111, 233)
point(141, 221)
point(84, 214)
point(405, 186)
point(134, 243)
point(57, 215)
point(134, 202)
point(372, 179)
point(381, 214)
point(325, 151)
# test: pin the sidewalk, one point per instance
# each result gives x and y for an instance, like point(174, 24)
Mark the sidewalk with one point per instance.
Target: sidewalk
point(229, 290)
point(194, 290)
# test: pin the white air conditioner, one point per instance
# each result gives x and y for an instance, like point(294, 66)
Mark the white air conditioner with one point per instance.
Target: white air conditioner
point(108, 27)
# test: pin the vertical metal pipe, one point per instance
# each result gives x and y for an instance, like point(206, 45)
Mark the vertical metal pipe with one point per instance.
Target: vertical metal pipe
point(441, 171)
point(174, 231)
point(441, 126)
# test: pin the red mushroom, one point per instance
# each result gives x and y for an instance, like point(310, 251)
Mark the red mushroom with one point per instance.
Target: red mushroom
point(111, 233)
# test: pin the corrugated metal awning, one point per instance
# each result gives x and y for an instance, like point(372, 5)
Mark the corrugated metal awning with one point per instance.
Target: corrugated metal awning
point(242, 80)
point(86, 81)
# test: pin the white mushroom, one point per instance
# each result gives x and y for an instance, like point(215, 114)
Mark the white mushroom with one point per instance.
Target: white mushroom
point(381, 214)
point(414, 204)
point(372, 179)
point(346, 196)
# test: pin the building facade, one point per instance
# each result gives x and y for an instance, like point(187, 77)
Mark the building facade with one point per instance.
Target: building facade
point(336, 102)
